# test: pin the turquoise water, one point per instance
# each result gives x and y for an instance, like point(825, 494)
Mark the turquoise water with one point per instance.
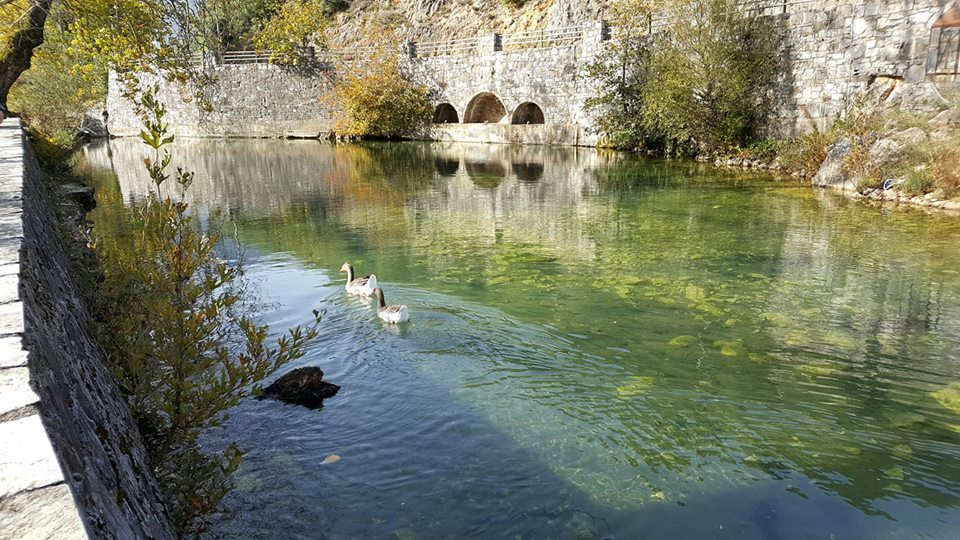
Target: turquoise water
point(601, 346)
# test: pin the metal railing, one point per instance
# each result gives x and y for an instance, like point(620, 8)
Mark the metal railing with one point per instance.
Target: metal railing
point(452, 47)
point(542, 39)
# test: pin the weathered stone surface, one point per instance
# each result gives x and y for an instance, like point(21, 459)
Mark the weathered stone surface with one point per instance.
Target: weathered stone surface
point(41, 514)
point(11, 352)
point(15, 391)
point(84, 429)
point(831, 173)
point(27, 460)
point(884, 152)
point(833, 51)
point(910, 137)
point(949, 118)
point(302, 386)
point(11, 318)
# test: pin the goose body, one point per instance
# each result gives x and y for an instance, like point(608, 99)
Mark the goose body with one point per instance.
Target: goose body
point(363, 286)
point(392, 314)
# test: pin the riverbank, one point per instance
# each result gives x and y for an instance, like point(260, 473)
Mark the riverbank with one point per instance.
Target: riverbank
point(72, 463)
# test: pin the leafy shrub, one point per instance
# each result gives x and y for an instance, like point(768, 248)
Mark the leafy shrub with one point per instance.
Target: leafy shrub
point(168, 317)
point(946, 168)
point(61, 85)
point(701, 84)
point(294, 26)
point(375, 97)
point(918, 182)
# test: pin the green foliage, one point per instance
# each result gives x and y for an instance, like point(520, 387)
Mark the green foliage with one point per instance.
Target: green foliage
point(170, 322)
point(514, 3)
point(375, 97)
point(703, 84)
point(622, 73)
point(296, 24)
point(61, 85)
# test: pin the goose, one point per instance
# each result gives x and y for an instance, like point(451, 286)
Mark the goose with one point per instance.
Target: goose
point(360, 286)
point(392, 314)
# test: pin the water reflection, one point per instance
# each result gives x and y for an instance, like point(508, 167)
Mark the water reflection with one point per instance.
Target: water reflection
point(648, 332)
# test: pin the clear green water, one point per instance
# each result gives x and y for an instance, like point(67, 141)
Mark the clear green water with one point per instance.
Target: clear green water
point(602, 346)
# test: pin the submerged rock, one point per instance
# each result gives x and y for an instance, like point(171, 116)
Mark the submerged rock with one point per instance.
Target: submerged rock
point(302, 386)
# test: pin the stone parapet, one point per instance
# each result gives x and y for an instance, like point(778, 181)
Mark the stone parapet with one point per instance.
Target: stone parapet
point(72, 464)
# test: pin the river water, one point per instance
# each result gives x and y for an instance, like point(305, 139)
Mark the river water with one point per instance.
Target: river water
point(601, 346)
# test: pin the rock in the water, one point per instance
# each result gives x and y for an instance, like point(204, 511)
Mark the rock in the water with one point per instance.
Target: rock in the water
point(332, 458)
point(832, 173)
point(302, 386)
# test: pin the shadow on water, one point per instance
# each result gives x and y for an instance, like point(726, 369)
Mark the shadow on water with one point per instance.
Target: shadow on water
point(658, 347)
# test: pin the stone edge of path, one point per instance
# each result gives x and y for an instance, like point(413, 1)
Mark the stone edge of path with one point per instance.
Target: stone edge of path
point(35, 498)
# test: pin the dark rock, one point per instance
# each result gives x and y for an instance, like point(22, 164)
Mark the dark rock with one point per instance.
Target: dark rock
point(84, 195)
point(302, 386)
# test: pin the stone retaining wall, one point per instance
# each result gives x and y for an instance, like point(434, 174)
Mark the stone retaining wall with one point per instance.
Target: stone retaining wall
point(833, 50)
point(72, 464)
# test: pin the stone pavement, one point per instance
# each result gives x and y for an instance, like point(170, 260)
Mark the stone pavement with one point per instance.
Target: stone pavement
point(35, 501)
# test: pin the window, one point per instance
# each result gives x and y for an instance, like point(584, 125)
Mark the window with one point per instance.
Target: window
point(945, 44)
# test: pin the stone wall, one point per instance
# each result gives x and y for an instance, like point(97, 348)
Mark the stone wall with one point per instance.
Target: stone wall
point(72, 464)
point(833, 50)
point(245, 100)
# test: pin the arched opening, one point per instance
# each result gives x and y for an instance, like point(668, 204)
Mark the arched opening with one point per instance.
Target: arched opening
point(484, 108)
point(528, 113)
point(445, 114)
point(945, 44)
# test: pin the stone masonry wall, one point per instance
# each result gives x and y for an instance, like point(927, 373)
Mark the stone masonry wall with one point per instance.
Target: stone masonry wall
point(246, 100)
point(72, 464)
point(833, 50)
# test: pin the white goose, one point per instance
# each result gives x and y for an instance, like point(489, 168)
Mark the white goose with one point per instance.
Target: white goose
point(392, 314)
point(360, 286)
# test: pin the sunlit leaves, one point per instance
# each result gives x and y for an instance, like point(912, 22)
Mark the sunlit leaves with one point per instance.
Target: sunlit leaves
point(376, 97)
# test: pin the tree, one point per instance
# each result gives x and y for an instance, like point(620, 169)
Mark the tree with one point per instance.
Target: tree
point(621, 73)
point(21, 31)
point(375, 97)
point(712, 72)
point(169, 315)
point(701, 81)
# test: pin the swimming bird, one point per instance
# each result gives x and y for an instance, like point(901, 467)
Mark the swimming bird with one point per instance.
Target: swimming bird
point(360, 286)
point(392, 314)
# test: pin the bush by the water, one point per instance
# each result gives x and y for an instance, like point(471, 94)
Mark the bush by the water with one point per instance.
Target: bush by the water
point(701, 84)
point(375, 97)
point(170, 316)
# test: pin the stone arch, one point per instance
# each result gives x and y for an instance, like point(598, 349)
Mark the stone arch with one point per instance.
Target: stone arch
point(445, 113)
point(528, 113)
point(484, 108)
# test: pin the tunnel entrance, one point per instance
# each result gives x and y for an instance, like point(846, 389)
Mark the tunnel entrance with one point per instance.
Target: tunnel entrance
point(528, 113)
point(445, 114)
point(484, 108)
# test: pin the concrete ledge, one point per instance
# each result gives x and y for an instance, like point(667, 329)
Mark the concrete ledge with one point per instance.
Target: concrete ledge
point(546, 134)
point(72, 462)
point(35, 501)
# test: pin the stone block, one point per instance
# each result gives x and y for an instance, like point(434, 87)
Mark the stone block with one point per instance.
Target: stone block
point(12, 353)
point(11, 318)
point(27, 460)
point(15, 391)
point(41, 514)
